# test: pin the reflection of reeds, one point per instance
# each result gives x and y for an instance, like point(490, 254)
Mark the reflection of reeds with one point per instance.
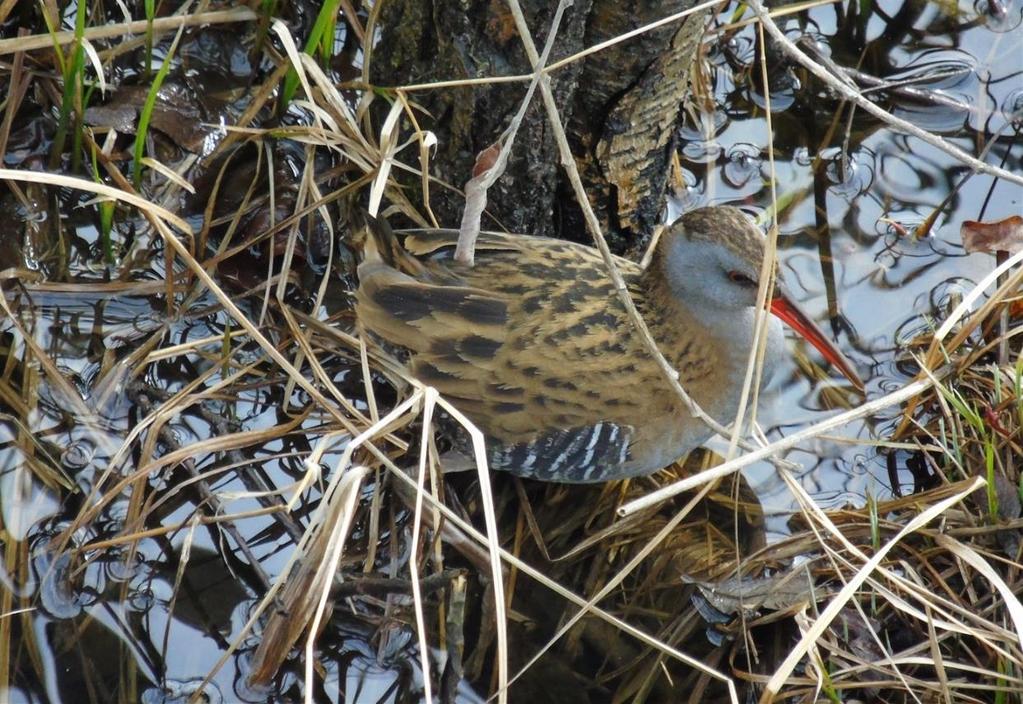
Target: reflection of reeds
point(931, 567)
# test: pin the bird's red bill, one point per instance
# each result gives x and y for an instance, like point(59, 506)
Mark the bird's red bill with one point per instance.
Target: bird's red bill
point(796, 319)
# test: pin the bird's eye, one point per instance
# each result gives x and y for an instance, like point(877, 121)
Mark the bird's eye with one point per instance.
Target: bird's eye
point(741, 279)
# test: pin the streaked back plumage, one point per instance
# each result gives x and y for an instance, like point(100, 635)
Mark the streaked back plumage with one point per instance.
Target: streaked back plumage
point(533, 344)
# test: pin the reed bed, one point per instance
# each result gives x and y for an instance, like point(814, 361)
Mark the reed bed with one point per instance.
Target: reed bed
point(253, 415)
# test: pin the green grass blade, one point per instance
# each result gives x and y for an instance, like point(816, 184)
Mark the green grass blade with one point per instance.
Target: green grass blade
point(325, 20)
point(146, 115)
point(106, 212)
point(150, 10)
point(73, 72)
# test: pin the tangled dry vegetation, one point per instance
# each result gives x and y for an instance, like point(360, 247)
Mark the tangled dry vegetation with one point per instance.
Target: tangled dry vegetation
point(308, 457)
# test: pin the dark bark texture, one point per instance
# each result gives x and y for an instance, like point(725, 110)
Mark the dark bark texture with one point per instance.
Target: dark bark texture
point(619, 106)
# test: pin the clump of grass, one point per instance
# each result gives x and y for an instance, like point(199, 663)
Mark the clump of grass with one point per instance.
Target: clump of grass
point(940, 613)
point(72, 69)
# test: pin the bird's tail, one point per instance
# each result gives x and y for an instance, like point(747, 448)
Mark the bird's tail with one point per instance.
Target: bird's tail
point(380, 245)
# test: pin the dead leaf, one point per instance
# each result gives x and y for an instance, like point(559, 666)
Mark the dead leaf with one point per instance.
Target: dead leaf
point(486, 159)
point(1002, 236)
point(780, 592)
point(177, 114)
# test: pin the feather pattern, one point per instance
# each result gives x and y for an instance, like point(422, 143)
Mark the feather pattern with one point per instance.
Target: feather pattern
point(533, 344)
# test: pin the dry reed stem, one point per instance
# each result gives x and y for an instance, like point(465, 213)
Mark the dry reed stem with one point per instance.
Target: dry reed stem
point(836, 421)
point(100, 189)
point(160, 25)
point(951, 614)
point(854, 95)
point(476, 187)
point(347, 493)
point(765, 283)
point(429, 403)
point(784, 671)
point(812, 510)
point(492, 542)
point(970, 556)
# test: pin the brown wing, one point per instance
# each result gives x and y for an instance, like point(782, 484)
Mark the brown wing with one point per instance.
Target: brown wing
point(533, 345)
point(510, 339)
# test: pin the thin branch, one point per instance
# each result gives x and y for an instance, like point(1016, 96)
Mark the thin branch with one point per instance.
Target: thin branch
point(629, 35)
point(477, 187)
point(785, 443)
point(853, 94)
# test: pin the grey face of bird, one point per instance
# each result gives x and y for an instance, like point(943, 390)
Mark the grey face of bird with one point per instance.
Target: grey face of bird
point(711, 259)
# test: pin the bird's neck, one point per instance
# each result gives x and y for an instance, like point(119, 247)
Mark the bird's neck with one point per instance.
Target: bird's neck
point(724, 332)
point(673, 309)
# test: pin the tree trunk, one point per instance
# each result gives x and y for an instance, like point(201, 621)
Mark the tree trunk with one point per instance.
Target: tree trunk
point(619, 106)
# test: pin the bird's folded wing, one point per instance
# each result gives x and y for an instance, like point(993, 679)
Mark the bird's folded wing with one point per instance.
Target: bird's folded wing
point(425, 242)
point(507, 340)
point(454, 332)
point(428, 318)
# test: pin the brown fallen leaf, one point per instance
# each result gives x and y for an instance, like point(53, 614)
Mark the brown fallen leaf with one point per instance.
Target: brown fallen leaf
point(177, 113)
point(1002, 236)
point(486, 160)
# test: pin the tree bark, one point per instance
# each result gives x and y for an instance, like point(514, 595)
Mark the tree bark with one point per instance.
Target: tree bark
point(619, 106)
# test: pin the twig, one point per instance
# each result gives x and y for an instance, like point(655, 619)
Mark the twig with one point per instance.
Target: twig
point(785, 443)
point(854, 95)
point(476, 188)
point(904, 87)
point(618, 39)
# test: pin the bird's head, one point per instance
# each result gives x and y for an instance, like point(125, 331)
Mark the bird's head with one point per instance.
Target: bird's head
point(711, 259)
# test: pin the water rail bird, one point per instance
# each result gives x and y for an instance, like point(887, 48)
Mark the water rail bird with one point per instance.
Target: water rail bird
point(533, 344)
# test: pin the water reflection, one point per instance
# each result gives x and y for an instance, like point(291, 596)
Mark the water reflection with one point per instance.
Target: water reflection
point(167, 619)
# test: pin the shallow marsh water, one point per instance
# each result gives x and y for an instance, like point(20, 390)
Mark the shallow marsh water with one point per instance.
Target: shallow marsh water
point(137, 620)
point(889, 287)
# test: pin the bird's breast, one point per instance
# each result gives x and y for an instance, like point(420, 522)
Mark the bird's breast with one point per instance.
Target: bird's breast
point(712, 371)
